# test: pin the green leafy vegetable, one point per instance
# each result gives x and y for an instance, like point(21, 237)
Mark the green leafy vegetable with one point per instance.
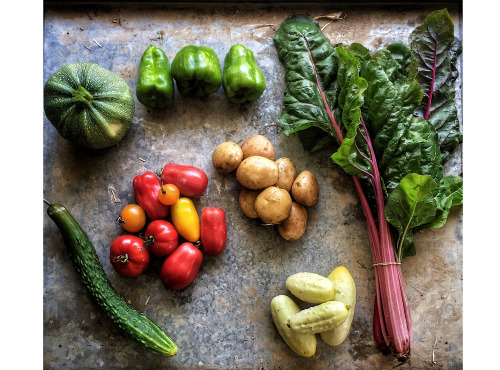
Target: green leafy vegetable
point(353, 154)
point(312, 83)
point(435, 50)
point(410, 205)
point(402, 55)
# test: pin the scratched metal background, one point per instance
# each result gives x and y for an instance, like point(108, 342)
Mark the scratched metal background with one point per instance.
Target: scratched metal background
point(223, 319)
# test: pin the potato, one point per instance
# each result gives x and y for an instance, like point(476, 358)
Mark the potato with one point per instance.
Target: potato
point(257, 172)
point(273, 205)
point(286, 173)
point(305, 189)
point(227, 157)
point(294, 226)
point(247, 201)
point(258, 145)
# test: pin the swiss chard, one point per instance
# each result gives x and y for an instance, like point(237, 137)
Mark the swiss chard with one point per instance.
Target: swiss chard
point(367, 104)
point(410, 206)
point(434, 51)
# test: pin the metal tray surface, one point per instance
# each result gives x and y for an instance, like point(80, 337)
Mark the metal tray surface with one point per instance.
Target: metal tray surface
point(223, 319)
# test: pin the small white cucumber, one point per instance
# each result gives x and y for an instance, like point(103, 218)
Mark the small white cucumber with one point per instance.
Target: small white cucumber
point(310, 287)
point(282, 308)
point(320, 318)
point(345, 292)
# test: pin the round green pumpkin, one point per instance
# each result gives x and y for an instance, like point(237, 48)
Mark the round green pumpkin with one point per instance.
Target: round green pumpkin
point(89, 105)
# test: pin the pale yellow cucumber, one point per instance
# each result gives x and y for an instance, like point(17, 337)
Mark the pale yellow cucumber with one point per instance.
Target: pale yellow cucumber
point(345, 292)
point(282, 308)
point(310, 287)
point(320, 318)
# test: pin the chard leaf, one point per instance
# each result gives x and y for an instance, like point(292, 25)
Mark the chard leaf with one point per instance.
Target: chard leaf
point(390, 99)
point(310, 74)
point(402, 55)
point(360, 52)
point(414, 148)
point(403, 144)
point(449, 193)
point(435, 50)
point(411, 204)
point(314, 139)
point(353, 154)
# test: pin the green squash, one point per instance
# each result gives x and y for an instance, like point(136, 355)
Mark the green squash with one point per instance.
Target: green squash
point(88, 105)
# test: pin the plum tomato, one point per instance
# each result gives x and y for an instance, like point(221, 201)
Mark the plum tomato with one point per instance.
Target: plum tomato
point(190, 180)
point(161, 238)
point(186, 220)
point(168, 194)
point(181, 267)
point(128, 255)
point(213, 234)
point(132, 218)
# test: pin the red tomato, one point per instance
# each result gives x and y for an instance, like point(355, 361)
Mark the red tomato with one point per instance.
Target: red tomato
point(181, 267)
point(161, 238)
point(190, 180)
point(128, 255)
point(213, 230)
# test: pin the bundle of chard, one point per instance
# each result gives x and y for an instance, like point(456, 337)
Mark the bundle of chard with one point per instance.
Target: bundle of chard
point(392, 116)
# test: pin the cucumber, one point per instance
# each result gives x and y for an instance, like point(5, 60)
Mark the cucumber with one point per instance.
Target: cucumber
point(320, 318)
point(133, 324)
point(282, 308)
point(311, 287)
point(345, 292)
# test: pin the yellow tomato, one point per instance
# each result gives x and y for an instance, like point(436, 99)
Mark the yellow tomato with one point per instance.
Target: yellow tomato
point(186, 219)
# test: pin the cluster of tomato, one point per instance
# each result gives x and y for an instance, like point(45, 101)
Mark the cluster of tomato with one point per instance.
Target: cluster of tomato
point(160, 199)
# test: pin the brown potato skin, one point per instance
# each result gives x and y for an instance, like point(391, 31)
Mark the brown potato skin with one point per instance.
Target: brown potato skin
point(246, 200)
point(257, 172)
point(258, 145)
point(294, 226)
point(286, 173)
point(305, 189)
point(273, 205)
point(227, 157)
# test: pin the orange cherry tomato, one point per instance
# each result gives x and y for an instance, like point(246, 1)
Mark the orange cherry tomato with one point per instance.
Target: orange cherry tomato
point(168, 194)
point(132, 218)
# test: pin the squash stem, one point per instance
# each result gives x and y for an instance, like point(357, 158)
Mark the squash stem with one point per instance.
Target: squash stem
point(82, 96)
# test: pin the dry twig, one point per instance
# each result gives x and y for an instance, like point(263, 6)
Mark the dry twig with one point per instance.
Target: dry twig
point(433, 349)
point(274, 27)
point(112, 191)
point(332, 16)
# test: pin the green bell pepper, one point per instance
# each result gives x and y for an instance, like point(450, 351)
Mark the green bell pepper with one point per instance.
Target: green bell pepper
point(196, 70)
point(155, 88)
point(243, 80)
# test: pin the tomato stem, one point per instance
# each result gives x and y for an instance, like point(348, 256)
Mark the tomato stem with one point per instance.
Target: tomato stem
point(148, 241)
point(121, 258)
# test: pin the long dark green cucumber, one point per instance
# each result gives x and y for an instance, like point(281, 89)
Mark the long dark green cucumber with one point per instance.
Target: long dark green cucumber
point(132, 323)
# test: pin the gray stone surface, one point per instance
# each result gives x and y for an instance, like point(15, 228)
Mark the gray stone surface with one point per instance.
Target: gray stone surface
point(223, 319)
